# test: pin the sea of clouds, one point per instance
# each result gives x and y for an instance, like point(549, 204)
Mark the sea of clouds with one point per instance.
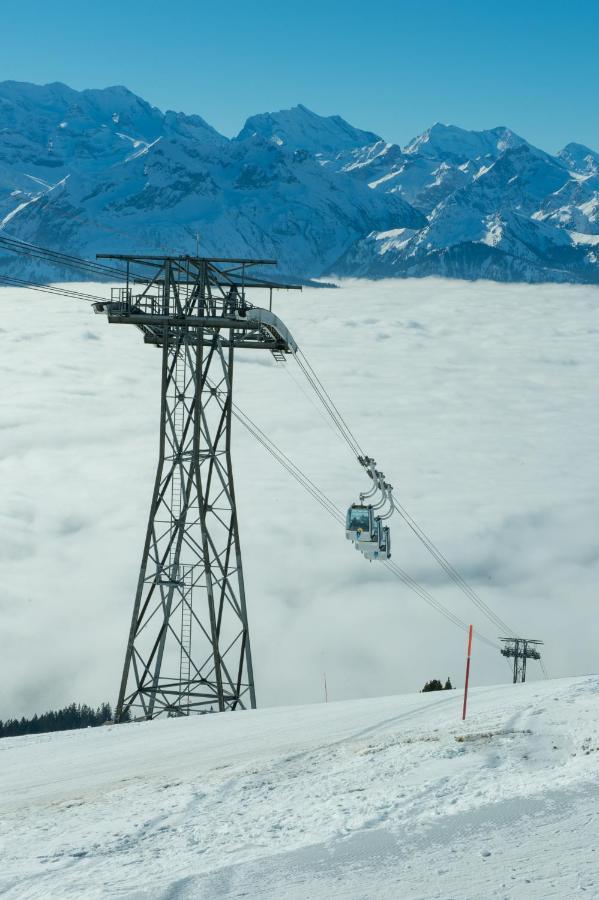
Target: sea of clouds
point(479, 401)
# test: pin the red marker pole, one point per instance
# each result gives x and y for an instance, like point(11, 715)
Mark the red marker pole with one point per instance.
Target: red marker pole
point(467, 673)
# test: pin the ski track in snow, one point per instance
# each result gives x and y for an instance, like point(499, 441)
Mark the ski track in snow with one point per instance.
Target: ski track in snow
point(384, 798)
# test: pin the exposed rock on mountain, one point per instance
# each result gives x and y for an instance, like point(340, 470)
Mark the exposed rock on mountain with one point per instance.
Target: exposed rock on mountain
point(103, 171)
point(580, 159)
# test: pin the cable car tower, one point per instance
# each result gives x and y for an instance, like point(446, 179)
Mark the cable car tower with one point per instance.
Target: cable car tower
point(520, 649)
point(189, 648)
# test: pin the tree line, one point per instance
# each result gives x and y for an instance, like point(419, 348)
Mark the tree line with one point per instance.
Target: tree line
point(80, 715)
point(436, 685)
point(77, 715)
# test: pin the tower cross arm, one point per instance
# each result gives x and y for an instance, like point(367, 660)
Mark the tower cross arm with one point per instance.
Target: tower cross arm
point(267, 326)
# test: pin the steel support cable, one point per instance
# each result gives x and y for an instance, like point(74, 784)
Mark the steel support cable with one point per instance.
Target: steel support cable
point(328, 404)
point(17, 245)
point(63, 259)
point(330, 407)
point(313, 384)
point(284, 460)
point(336, 513)
point(338, 516)
point(352, 442)
point(280, 459)
point(328, 396)
point(450, 570)
point(310, 399)
point(49, 289)
point(435, 604)
point(57, 258)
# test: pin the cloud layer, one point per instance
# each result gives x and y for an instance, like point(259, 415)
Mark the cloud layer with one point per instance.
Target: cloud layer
point(478, 401)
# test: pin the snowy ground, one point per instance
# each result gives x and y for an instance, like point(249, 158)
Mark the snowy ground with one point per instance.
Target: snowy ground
point(479, 400)
point(373, 799)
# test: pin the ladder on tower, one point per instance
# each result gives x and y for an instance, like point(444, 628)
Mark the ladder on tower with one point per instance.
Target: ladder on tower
point(179, 572)
point(185, 652)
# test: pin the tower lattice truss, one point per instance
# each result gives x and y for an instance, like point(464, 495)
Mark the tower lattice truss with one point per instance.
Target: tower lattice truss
point(189, 647)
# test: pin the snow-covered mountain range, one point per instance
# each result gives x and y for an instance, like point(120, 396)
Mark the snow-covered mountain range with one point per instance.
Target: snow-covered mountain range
point(103, 171)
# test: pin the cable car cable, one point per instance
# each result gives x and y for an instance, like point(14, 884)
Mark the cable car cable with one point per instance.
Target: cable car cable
point(11, 281)
point(309, 398)
point(290, 466)
point(336, 513)
point(432, 601)
point(66, 260)
point(330, 400)
point(328, 404)
point(352, 442)
point(450, 569)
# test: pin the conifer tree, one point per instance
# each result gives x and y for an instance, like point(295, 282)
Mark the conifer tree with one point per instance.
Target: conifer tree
point(433, 685)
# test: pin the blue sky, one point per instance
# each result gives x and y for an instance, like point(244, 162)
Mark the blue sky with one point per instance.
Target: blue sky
point(393, 67)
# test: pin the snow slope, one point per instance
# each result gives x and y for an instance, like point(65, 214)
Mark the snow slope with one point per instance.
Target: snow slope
point(384, 798)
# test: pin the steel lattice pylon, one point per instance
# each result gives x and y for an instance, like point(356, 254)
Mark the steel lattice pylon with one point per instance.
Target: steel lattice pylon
point(189, 647)
point(520, 649)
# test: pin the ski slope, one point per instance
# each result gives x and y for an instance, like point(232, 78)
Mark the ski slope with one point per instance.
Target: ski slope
point(384, 798)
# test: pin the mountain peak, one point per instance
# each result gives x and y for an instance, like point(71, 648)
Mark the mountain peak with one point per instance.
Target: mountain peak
point(51, 113)
point(460, 145)
point(299, 128)
point(580, 158)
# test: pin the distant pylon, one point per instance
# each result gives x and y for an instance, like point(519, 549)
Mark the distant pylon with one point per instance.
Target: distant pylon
point(520, 649)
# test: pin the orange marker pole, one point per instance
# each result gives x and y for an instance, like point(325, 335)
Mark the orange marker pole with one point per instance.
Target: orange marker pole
point(467, 673)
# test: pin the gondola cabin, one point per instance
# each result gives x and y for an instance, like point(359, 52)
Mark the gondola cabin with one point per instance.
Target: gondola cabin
point(379, 545)
point(380, 549)
point(358, 522)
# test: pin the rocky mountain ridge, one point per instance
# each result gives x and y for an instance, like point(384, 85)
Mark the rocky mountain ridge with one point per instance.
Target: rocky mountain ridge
point(104, 171)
